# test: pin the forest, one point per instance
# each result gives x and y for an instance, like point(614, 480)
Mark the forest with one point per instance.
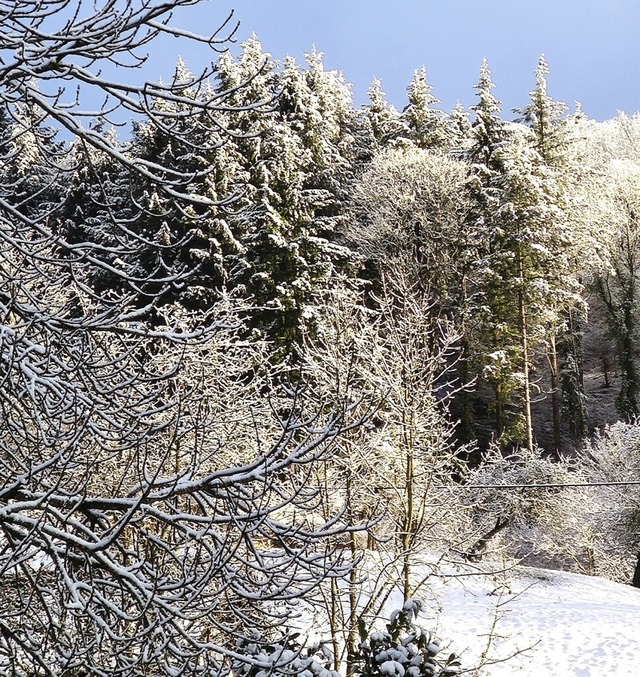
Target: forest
point(262, 349)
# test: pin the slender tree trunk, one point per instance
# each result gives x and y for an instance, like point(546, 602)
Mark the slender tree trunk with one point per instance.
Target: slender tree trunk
point(467, 424)
point(499, 410)
point(407, 527)
point(334, 604)
point(500, 399)
point(636, 574)
point(605, 370)
point(525, 358)
point(556, 395)
point(333, 622)
point(628, 398)
point(352, 634)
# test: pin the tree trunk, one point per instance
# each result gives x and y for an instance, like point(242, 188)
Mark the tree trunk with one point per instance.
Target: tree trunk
point(556, 395)
point(466, 396)
point(352, 634)
point(628, 397)
point(605, 370)
point(476, 551)
point(636, 574)
point(525, 359)
point(407, 527)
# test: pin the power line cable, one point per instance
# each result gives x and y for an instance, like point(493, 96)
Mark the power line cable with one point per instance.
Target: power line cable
point(631, 483)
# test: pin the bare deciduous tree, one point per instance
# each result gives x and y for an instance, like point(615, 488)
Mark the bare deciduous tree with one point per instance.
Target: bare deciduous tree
point(397, 473)
point(147, 508)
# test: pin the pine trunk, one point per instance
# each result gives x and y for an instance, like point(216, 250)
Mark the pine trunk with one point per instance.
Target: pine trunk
point(525, 359)
point(636, 574)
point(556, 395)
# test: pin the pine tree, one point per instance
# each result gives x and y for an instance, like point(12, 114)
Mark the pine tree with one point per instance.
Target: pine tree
point(552, 140)
point(298, 163)
point(426, 125)
point(384, 119)
point(525, 274)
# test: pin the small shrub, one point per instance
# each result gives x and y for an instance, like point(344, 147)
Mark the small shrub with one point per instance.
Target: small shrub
point(284, 658)
point(404, 650)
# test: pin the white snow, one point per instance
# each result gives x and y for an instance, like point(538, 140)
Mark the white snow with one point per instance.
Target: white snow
point(533, 622)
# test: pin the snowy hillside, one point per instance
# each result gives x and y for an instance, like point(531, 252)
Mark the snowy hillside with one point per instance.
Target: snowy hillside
point(551, 623)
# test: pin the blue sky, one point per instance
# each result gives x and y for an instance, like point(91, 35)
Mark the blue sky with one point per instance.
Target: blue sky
point(592, 46)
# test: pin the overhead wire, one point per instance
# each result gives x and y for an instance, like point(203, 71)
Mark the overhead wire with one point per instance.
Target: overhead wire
point(571, 485)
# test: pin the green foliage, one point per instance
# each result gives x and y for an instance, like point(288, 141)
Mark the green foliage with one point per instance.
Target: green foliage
point(287, 657)
point(296, 165)
point(525, 276)
point(404, 650)
point(426, 125)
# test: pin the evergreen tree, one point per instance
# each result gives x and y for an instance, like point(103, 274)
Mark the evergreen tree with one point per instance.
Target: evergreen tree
point(154, 246)
point(617, 286)
point(488, 129)
point(298, 163)
point(33, 160)
point(524, 275)
point(553, 142)
point(546, 118)
point(97, 212)
point(530, 267)
point(481, 347)
point(426, 125)
point(383, 118)
point(460, 133)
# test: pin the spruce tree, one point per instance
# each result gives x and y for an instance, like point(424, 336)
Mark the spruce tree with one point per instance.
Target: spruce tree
point(426, 125)
point(384, 119)
point(524, 277)
point(482, 351)
point(165, 250)
point(460, 134)
point(552, 141)
point(298, 162)
point(34, 161)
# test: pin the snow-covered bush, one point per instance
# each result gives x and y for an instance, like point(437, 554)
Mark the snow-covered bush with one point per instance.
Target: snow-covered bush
point(526, 520)
point(286, 657)
point(579, 516)
point(610, 515)
point(404, 650)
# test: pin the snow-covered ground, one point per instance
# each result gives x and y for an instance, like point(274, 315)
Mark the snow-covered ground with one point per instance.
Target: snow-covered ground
point(546, 623)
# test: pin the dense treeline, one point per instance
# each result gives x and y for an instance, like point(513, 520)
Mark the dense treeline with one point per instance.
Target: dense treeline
point(270, 342)
point(517, 232)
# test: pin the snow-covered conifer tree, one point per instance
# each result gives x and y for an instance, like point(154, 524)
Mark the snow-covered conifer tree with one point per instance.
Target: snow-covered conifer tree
point(383, 117)
point(524, 275)
point(553, 140)
point(426, 124)
point(299, 161)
